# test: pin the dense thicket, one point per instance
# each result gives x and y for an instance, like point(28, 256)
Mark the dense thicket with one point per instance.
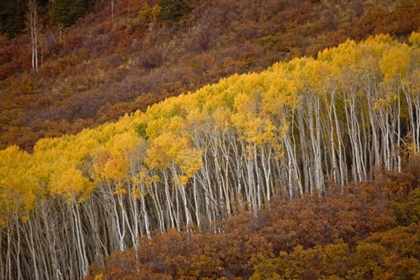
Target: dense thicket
point(120, 57)
point(194, 160)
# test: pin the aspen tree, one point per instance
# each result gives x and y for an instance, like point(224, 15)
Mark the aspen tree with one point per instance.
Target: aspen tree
point(344, 58)
point(394, 65)
point(157, 158)
point(411, 88)
point(128, 143)
point(18, 197)
point(113, 169)
point(355, 131)
point(377, 103)
point(220, 165)
point(143, 182)
point(203, 136)
point(310, 112)
point(198, 123)
point(279, 106)
point(34, 28)
point(330, 91)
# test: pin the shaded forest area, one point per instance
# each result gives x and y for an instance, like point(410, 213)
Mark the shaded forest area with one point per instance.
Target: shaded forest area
point(102, 59)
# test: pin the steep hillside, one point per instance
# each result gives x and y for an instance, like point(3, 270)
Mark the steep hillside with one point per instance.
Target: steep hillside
point(303, 128)
point(112, 62)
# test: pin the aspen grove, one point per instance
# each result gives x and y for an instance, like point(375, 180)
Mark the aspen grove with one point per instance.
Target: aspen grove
point(194, 160)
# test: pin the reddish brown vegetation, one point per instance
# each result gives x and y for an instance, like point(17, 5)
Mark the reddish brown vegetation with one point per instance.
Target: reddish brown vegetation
point(99, 68)
point(359, 231)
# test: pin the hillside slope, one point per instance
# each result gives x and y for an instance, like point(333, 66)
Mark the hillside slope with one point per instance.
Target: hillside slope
point(299, 128)
point(104, 66)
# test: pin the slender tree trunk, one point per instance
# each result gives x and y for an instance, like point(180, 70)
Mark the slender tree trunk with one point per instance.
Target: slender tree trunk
point(158, 206)
point(112, 9)
point(169, 204)
point(18, 251)
point(9, 252)
point(31, 247)
point(2, 261)
point(304, 151)
point(196, 203)
point(34, 28)
point(80, 241)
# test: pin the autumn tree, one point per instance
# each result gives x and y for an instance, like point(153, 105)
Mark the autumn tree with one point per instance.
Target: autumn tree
point(34, 28)
point(261, 159)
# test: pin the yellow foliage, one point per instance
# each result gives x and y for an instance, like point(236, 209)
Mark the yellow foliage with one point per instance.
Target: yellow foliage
point(415, 39)
point(70, 183)
point(395, 61)
point(252, 125)
point(157, 158)
point(176, 124)
point(18, 187)
point(119, 190)
point(257, 107)
point(279, 92)
point(135, 192)
point(183, 179)
point(156, 127)
point(112, 167)
point(123, 142)
point(222, 118)
point(342, 58)
point(190, 161)
point(144, 178)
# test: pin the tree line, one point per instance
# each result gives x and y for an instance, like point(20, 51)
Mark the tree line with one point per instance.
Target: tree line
point(64, 13)
point(195, 160)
